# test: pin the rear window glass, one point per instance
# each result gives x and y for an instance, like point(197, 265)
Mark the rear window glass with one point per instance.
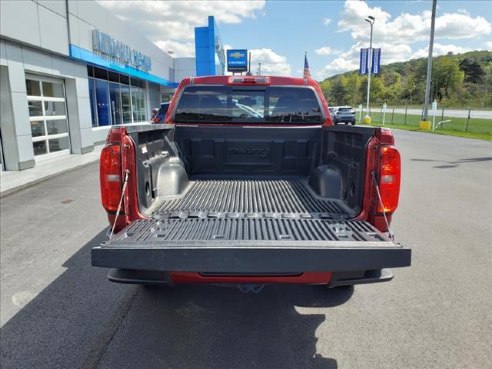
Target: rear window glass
point(203, 103)
point(346, 110)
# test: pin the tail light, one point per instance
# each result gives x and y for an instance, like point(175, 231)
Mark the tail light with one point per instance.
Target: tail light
point(110, 177)
point(389, 179)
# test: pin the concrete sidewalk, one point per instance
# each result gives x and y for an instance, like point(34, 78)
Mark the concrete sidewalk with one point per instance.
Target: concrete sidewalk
point(12, 181)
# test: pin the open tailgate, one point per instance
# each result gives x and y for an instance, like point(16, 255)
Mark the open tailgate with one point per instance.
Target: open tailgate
point(250, 245)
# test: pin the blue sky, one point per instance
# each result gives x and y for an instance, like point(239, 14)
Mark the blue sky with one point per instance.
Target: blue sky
point(332, 32)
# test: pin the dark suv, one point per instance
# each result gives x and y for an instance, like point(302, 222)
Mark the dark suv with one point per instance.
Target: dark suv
point(343, 114)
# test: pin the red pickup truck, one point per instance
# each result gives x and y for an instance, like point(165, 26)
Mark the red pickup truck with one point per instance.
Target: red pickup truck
point(249, 182)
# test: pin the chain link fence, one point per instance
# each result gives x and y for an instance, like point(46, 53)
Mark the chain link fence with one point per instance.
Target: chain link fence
point(445, 119)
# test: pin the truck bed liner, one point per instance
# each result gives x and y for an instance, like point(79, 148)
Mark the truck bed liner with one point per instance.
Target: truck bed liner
point(248, 229)
point(265, 197)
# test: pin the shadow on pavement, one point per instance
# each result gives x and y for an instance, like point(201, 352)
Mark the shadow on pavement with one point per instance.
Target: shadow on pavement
point(217, 327)
point(453, 164)
point(82, 320)
point(58, 327)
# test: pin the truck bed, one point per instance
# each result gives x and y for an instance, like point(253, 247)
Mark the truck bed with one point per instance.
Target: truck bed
point(250, 226)
point(248, 198)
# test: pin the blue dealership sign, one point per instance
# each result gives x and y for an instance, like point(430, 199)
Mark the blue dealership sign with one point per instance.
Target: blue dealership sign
point(237, 60)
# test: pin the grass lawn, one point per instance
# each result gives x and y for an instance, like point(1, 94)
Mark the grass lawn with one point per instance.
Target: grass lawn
point(475, 128)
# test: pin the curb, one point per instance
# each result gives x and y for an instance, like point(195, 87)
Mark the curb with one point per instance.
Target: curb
point(23, 186)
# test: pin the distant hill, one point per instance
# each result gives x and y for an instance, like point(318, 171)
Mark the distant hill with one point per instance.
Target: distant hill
point(458, 80)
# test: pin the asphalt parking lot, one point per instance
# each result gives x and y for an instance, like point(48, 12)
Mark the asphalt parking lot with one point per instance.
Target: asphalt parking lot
point(59, 312)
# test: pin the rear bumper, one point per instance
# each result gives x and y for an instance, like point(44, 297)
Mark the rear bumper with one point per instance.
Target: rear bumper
point(364, 277)
point(344, 119)
point(244, 257)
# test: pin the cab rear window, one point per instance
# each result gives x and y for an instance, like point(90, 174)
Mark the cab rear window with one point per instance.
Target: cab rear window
point(265, 104)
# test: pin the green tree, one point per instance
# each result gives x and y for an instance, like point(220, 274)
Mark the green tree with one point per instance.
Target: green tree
point(326, 88)
point(338, 93)
point(377, 89)
point(352, 83)
point(473, 71)
point(461, 80)
point(446, 77)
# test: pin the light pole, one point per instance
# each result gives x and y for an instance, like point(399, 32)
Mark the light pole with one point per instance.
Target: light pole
point(370, 19)
point(424, 121)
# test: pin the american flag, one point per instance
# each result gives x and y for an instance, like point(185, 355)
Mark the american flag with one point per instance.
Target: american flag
point(307, 73)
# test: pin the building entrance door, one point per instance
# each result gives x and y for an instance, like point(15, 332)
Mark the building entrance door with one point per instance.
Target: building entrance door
point(48, 116)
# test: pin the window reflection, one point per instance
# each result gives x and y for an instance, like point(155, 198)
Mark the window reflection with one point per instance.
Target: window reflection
point(122, 100)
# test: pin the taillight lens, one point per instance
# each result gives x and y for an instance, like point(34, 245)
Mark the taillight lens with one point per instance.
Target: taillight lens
point(110, 177)
point(389, 179)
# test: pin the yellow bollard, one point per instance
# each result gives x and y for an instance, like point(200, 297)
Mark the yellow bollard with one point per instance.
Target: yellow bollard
point(425, 125)
point(367, 120)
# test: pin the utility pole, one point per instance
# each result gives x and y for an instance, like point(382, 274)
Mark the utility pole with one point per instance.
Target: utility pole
point(259, 69)
point(249, 65)
point(424, 122)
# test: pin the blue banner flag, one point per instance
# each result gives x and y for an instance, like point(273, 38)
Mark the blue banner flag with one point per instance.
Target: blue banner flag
point(376, 61)
point(363, 61)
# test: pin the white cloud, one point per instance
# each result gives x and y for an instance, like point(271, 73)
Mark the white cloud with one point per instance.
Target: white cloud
point(325, 50)
point(408, 28)
point(395, 36)
point(439, 49)
point(271, 62)
point(463, 11)
point(349, 60)
point(326, 21)
point(177, 49)
point(170, 24)
point(488, 45)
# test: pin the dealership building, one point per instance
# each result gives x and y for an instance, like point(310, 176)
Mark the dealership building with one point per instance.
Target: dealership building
point(71, 69)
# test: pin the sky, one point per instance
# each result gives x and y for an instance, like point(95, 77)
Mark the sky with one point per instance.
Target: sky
point(278, 33)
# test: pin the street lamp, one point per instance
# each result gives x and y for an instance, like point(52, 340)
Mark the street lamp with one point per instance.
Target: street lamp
point(370, 19)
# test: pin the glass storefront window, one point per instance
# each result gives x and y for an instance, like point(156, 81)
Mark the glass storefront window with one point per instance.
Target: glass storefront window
point(52, 89)
point(56, 127)
point(54, 108)
point(58, 144)
point(37, 128)
point(35, 108)
point(126, 104)
point(115, 99)
point(39, 147)
point(134, 103)
point(92, 97)
point(114, 102)
point(33, 88)
point(102, 102)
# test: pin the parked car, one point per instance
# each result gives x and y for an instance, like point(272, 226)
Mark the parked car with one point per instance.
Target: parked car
point(161, 114)
point(343, 114)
